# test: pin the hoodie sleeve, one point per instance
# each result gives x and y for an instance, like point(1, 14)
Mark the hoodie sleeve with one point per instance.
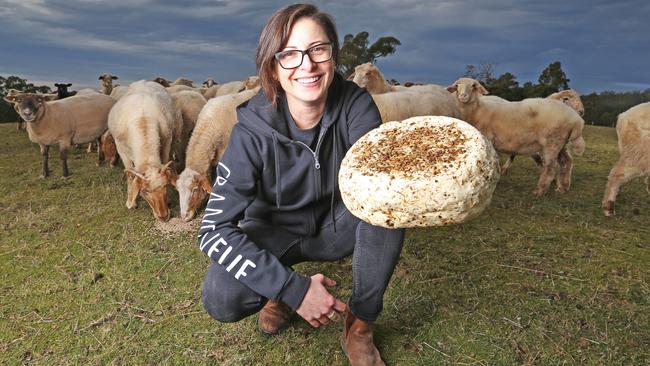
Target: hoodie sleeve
point(226, 244)
point(363, 115)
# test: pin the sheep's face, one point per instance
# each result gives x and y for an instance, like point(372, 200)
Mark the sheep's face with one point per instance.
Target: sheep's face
point(208, 83)
point(152, 186)
point(572, 99)
point(192, 188)
point(366, 76)
point(30, 106)
point(62, 89)
point(107, 79)
point(306, 85)
point(467, 90)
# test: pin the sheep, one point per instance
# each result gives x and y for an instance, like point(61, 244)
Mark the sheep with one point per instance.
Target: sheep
point(252, 82)
point(62, 90)
point(368, 76)
point(107, 149)
point(118, 92)
point(144, 123)
point(162, 81)
point(398, 106)
point(107, 83)
point(209, 82)
point(183, 81)
point(73, 120)
point(569, 97)
point(534, 125)
point(176, 88)
point(189, 103)
point(422, 100)
point(633, 131)
point(205, 148)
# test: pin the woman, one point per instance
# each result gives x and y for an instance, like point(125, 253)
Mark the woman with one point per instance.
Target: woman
point(276, 203)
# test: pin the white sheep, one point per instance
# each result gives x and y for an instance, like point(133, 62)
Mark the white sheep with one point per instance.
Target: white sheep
point(183, 81)
point(421, 100)
point(533, 125)
point(633, 130)
point(189, 103)
point(206, 146)
point(118, 92)
point(230, 87)
point(569, 97)
point(144, 123)
point(107, 83)
point(74, 120)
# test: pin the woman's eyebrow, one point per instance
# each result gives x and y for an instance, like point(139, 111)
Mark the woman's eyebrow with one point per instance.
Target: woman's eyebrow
point(287, 47)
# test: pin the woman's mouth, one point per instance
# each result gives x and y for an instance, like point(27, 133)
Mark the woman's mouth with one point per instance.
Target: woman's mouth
point(308, 81)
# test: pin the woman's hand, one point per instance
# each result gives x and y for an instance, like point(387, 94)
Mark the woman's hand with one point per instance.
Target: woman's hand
point(319, 307)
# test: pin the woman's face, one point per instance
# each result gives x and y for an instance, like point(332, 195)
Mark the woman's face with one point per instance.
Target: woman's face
point(306, 85)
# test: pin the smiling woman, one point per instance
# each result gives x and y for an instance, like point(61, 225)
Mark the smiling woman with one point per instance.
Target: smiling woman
point(276, 200)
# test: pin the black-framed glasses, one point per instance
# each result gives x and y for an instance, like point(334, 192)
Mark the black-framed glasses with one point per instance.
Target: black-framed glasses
point(290, 59)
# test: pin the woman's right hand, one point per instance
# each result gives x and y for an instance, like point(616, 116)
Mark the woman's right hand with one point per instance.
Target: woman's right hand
point(318, 303)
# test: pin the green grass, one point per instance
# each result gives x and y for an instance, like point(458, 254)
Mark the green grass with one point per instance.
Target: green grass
point(544, 281)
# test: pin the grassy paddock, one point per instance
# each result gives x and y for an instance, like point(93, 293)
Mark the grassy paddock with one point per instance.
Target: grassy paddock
point(532, 281)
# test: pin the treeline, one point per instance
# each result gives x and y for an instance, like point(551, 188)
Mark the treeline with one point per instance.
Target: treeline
point(601, 109)
point(7, 112)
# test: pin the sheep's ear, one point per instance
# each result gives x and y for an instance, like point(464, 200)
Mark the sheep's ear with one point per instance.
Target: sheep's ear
point(171, 176)
point(351, 77)
point(114, 77)
point(452, 88)
point(68, 84)
point(481, 89)
point(205, 184)
point(169, 166)
point(100, 77)
point(133, 174)
point(10, 98)
point(58, 85)
point(49, 97)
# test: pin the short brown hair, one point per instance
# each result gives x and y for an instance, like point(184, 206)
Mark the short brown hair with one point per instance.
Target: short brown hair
point(274, 38)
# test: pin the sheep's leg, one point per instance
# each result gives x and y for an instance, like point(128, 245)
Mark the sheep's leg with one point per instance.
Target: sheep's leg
point(647, 184)
point(89, 149)
point(563, 180)
point(538, 159)
point(619, 175)
point(63, 155)
point(132, 190)
point(506, 167)
point(45, 150)
point(548, 174)
point(100, 152)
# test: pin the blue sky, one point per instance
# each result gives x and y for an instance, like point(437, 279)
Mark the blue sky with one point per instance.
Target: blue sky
point(603, 45)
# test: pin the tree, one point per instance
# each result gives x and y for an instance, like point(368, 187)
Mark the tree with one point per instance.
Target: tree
point(355, 51)
point(7, 112)
point(554, 77)
point(505, 86)
point(484, 72)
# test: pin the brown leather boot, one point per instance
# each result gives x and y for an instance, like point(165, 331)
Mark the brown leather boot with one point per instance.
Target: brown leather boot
point(274, 317)
point(357, 343)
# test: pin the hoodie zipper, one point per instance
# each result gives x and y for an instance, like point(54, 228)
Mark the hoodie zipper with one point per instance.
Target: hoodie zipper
point(317, 172)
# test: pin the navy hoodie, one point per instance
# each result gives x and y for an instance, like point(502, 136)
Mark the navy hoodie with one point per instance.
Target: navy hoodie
point(265, 175)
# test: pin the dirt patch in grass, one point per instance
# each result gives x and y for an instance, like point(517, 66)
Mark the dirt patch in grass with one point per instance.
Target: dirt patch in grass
point(175, 226)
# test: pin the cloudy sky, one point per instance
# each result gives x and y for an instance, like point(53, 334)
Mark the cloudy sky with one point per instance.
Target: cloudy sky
point(602, 44)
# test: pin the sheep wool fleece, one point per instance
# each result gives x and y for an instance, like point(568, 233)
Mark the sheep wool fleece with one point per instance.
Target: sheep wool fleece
point(265, 176)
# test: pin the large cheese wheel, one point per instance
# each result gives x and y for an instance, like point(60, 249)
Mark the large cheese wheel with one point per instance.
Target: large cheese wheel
point(423, 171)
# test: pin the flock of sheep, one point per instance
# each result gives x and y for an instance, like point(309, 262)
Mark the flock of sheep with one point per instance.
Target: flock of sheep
point(160, 128)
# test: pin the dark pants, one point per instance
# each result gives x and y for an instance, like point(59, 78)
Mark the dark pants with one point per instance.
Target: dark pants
point(375, 252)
